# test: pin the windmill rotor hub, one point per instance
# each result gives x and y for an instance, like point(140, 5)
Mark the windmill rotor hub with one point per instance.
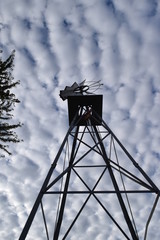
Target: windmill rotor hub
point(81, 89)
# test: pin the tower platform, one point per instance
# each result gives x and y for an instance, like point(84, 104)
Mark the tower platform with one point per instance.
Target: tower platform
point(87, 105)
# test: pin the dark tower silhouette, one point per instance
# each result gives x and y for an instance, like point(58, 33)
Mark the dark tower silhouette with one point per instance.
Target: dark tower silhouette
point(93, 184)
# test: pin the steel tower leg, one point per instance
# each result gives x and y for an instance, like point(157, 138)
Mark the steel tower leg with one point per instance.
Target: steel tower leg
point(61, 211)
point(128, 154)
point(45, 184)
point(126, 216)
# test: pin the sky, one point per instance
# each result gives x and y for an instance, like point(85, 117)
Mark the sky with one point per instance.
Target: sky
point(60, 42)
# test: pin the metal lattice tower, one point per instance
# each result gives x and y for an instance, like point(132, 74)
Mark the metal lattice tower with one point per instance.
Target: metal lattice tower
point(93, 180)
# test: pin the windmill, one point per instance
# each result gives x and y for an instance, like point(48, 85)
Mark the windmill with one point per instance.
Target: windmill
point(93, 184)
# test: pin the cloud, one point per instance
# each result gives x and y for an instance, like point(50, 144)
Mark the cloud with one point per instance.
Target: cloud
point(58, 43)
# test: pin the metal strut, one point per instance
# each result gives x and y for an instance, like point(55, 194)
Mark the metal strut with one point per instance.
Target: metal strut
point(125, 213)
point(128, 155)
point(59, 221)
point(44, 186)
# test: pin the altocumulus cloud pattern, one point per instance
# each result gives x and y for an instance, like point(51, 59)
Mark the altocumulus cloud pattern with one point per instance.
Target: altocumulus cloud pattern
point(61, 42)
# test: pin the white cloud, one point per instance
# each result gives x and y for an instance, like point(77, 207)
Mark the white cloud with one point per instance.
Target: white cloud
point(58, 43)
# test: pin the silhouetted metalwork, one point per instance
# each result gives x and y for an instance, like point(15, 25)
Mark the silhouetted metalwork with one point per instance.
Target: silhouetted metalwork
point(85, 87)
point(92, 167)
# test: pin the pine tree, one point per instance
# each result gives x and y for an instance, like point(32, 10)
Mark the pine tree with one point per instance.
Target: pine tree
point(7, 104)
